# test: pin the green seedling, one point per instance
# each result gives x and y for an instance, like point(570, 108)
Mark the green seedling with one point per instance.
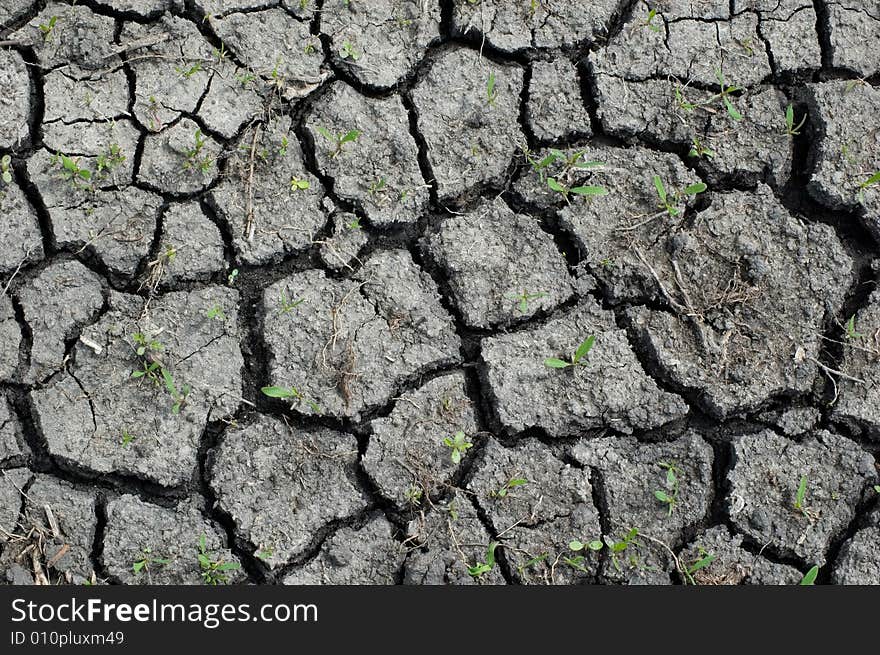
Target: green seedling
point(146, 559)
point(577, 545)
point(354, 224)
point(564, 190)
point(142, 344)
point(724, 96)
point(264, 553)
point(216, 312)
point(297, 184)
point(413, 495)
point(801, 496)
point(700, 150)
point(577, 359)
point(871, 181)
point(71, 170)
point(682, 102)
point(649, 21)
point(178, 397)
point(285, 305)
point(669, 496)
point(193, 156)
point(668, 201)
point(790, 128)
point(291, 393)
point(220, 53)
point(245, 78)
point(491, 91)
point(481, 568)
point(459, 444)
point(5, 173)
point(377, 187)
point(214, 571)
point(532, 562)
point(509, 486)
point(48, 27)
point(232, 277)
point(109, 160)
point(282, 149)
point(809, 578)
point(877, 488)
point(703, 562)
point(127, 438)
point(189, 72)
point(523, 299)
point(348, 51)
point(850, 327)
point(338, 140)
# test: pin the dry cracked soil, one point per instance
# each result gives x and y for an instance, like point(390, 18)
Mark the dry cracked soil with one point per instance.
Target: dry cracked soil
point(514, 291)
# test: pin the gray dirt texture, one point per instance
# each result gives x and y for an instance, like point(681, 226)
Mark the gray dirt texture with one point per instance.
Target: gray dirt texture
point(439, 292)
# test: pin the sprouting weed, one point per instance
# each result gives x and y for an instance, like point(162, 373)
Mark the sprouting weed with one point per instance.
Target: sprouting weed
point(349, 51)
point(790, 128)
point(700, 150)
point(264, 553)
point(214, 571)
point(668, 201)
point(109, 160)
point(577, 359)
point(724, 96)
point(146, 559)
point(481, 568)
point(649, 21)
point(354, 224)
point(285, 305)
point(705, 558)
point(48, 28)
point(142, 344)
point(293, 393)
point(669, 496)
point(216, 312)
point(127, 438)
point(5, 173)
point(245, 78)
point(194, 158)
point(801, 496)
point(413, 495)
point(178, 398)
point(523, 299)
point(338, 140)
point(377, 187)
point(564, 190)
point(232, 277)
point(850, 327)
point(187, 73)
point(459, 444)
point(282, 149)
point(682, 103)
point(509, 486)
point(491, 91)
point(615, 548)
point(871, 181)
point(220, 53)
point(298, 184)
point(71, 170)
point(809, 578)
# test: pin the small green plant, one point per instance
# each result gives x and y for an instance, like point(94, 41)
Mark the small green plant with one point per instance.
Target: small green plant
point(809, 578)
point(297, 184)
point(291, 393)
point(523, 299)
point(850, 327)
point(354, 224)
point(459, 444)
point(669, 496)
point(349, 51)
point(801, 496)
point(705, 559)
point(187, 73)
point(565, 191)
point(127, 438)
point(109, 160)
point(194, 160)
point(142, 344)
point(245, 78)
point(413, 495)
point(481, 568)
point(146, 559)
point(615, 548)
point(214, 571)
point(577, 359)
point(682, 102)
point(871, 181)
point(216, 312)
point(724, 96)
point(649, 21)
point(509, 486)
point(71, 170)
point(178, 398)
point(285, 305)
point(282, 149)
point(377, 187)
point(5, 173)
point(232, 277)
point(264, 553)
point(700, 150)
point(338, 140)
point(877, 488)
point(668, 201)
point(790, 128)
point(491, 91)
point(48, 27)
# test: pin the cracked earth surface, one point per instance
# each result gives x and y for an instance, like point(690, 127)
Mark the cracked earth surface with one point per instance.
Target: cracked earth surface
point(281, 279)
